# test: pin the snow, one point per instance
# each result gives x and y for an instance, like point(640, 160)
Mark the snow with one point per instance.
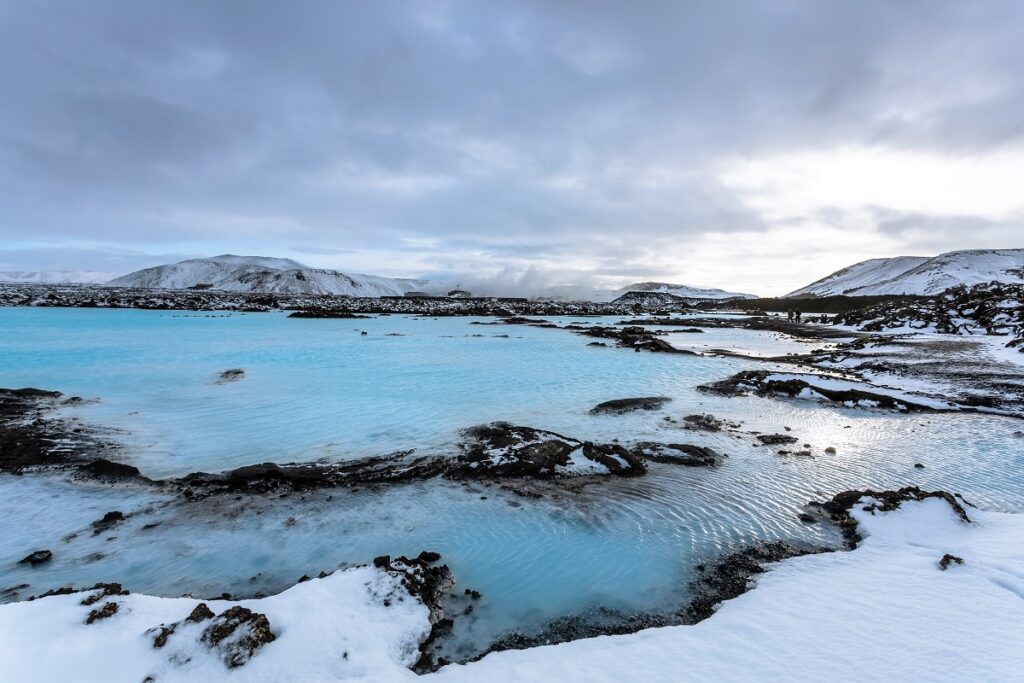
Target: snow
point(581, 465)
point(921, 275)
point(55, 276)
point(264, 274)
point(885, 611)
point(335, 628)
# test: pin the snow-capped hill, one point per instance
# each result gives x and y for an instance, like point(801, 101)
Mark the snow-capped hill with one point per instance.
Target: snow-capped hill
point(917, 275)
point(863, 274)
point(85, 277)
point(682, 291)
point(264, 274)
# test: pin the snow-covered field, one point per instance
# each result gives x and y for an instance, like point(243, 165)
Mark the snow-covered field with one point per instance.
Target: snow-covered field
point(884, 611)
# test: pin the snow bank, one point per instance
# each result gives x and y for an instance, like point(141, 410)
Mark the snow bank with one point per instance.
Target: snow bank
point(356, 624)
point(885, 611)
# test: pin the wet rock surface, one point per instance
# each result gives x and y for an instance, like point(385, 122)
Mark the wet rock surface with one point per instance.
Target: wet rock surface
point(625, 405)
point(767, 384)
point(37, 558)
point(730, 575)
point(327, 314)
point(707, 423)
point(678, 454)
point(776, 439)
point(30, 438)
point(232, 375)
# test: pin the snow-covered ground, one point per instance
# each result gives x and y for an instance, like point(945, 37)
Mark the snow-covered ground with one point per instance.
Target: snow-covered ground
point(885, 611)
point(920, 275)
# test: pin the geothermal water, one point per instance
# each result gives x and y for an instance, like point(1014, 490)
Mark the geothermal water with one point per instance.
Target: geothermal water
point(320, 389)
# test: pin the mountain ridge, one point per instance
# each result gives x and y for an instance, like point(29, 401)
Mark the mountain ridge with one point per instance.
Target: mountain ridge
point(919, 275)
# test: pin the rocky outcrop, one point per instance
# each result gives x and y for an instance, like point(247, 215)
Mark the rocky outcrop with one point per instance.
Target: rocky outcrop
point(678, 454)
point(838, 508)
point(770, 384)
point(707, 423)
point(631, 336)
point(235, 635)
point(232, 375)
point(347, 315)
point(31, 438)
point(995, 308)
point(501, 449)
point(37, 558)
point(625, 405)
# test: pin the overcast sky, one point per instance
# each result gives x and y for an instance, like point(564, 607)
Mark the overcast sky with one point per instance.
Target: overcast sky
point(753, 146)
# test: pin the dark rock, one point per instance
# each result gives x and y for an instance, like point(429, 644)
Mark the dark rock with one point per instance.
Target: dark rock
point(101, 468)
point(677, 454)
point(109, 521)
point(948, 559)
point(761, 383)
point(107, 610)
point(37, 558)
point(729, 577)
point(326, 314)
point(200, 613)
point(103, 590)
point(625, 405)
point(918, 465)
point(706, 423)
point(232, 375)
point(804, 517)
point(382, 561)
point(776, 439)
point(429, 556)
point(237, 634)
point(838, 509)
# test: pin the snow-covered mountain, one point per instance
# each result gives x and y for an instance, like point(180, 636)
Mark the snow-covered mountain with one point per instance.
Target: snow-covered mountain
point(682, 291)
point(85, 277)
point(264, 274)
point(920, 275)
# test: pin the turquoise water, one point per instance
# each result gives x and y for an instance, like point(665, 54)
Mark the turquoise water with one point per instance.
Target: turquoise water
point(321, 389)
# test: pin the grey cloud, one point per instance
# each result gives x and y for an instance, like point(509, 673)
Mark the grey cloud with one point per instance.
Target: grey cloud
point(504, 134)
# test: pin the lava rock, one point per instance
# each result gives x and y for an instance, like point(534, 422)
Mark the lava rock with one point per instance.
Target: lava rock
point(625, 405)
point(37, 558)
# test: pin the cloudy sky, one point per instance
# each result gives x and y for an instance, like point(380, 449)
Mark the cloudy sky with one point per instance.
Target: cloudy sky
point(752, 146)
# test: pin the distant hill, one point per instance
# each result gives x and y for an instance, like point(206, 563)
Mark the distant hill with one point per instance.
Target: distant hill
point(920, 275)
point(85, 277)
point(264, 274)
point(681, 291)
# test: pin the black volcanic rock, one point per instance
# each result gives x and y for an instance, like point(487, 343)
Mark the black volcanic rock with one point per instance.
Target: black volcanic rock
point(37, 558)
point(625, 405)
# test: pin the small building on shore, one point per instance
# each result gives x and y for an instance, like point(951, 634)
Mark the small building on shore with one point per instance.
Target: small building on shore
point(459, 294)
point(417, 295)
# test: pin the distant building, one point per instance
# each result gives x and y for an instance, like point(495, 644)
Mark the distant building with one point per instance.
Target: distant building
point(202, 285)
point(459, 294)
point(417, 295)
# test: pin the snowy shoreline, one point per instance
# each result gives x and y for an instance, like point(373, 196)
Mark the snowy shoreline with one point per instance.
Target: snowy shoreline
point(888, 603)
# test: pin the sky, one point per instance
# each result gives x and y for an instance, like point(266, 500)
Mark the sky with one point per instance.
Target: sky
point(751, 146)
